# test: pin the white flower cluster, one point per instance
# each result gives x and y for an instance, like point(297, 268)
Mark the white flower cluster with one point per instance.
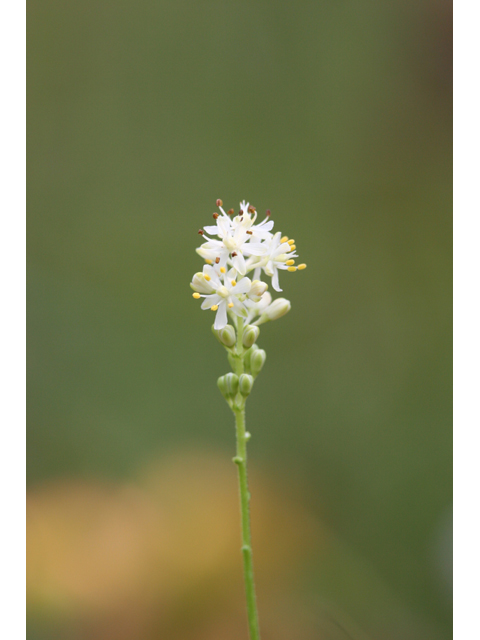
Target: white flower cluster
point(242, 247)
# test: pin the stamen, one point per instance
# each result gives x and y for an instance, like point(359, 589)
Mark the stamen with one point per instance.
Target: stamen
point(302, 266)
point(291, 241)
point(219, 203)
point(251, 209)
point(207, 277)
point(208, 261)
point(267, 212)
point(201, 232)
point(214, 308)
point(234, 254)
point(234, 283)
point(284, 239)
point(250, 233)
point(231, 212)
point(292, 247)
point(230, 305)
point(196, 295)
point(291, 268)
point(223, 270)
point(217, 260)
point(215, 215)
point(289, 263)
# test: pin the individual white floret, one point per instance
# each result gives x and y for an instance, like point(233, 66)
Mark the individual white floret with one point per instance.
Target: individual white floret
point(222, 293)
point(272, 255)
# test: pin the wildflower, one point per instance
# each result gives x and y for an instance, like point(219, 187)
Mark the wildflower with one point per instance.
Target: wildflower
point(242, 246)
point(221, 295)
point(234, 236)
point(272, 255)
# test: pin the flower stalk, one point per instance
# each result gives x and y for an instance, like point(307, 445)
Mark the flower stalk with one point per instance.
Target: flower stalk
point(243, 247)
point(241, 462)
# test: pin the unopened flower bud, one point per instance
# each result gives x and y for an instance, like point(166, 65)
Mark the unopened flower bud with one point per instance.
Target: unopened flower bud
point(245, 384)
point(200, 283)
point(250, 335)
point(257, 290)
point(227, 335)
point(228, 385)
point(257, 360)
point(278, 308)
point(248, 357)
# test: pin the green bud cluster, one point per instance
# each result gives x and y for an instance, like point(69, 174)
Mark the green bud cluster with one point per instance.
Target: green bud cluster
point(245, 358)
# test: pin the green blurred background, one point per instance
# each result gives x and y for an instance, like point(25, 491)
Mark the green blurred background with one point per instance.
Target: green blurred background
point(336, 116)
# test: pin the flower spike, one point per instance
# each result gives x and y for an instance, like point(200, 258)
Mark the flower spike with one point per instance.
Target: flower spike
point(237, 251)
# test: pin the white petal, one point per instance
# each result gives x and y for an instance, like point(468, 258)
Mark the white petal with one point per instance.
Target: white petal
point(231, 274)
point(262, 235)
point(238, 307)
point(206, 254)
point(275, 241)
point(239, 263)
point(213, 275)
point(211, 229)
point(275, 283)
point(213, 245)
point(283, 248)
point(256, 249)
point(223, 226)
point(210, 301)
point(243, 286)
point(221, 317)
point(265, 301)
point(266, 225)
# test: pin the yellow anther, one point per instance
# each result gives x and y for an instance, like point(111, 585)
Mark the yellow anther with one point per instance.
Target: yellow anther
point(231, 305)
point(196, 295)
point(292, 269)
point(289, 263)
point(234, 283)
point(208, 261)
point(302, 266)
point(291, 241)
point(207, 277)
point(223, 270)
point(214, 308)
point(292, 247)
point(284, 239)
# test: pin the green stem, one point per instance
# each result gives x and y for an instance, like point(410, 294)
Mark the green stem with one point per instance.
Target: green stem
point(241, 461)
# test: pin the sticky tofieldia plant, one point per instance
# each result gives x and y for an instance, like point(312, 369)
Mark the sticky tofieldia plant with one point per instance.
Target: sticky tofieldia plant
point(243, 247)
